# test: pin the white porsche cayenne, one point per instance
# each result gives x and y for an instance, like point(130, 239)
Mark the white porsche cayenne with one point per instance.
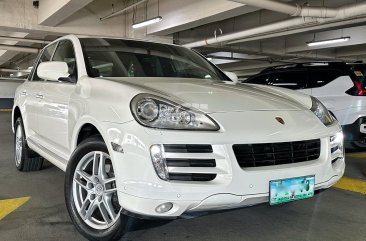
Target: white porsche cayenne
point(155, 130)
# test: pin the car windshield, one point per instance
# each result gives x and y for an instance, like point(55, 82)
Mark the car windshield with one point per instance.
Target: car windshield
point(129, 58)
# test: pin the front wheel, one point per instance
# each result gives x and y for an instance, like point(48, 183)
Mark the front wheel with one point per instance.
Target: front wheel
point(91, 194)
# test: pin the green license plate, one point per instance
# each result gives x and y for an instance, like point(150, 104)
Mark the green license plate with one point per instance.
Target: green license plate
point(291, 189)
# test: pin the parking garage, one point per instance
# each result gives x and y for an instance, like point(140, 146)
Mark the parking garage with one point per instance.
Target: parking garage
point(182, 120)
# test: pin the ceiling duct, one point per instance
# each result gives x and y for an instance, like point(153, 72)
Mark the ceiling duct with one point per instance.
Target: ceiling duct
point(345, 12)
point(294, 10)
point(19, 49)
point(25, 40)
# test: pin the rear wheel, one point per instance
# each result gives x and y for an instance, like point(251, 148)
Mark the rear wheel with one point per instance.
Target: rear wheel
point(360, 145)
point(26, 160)
point(91, 194)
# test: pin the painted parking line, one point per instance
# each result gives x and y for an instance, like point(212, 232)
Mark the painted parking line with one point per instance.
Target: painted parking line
point(353, 185)
point(9, 205)
point(5, 110)
point(357, 155)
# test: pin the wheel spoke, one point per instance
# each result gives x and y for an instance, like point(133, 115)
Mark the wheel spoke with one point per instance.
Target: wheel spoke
point(84, 206)
point(109, 180)
point(96, 163)
point(84, 186)
point(110, 191)
point(109, 207)
point(108, 218)
point(89, 209)
point(84, 175)
point(108, 185)
point(101, 170)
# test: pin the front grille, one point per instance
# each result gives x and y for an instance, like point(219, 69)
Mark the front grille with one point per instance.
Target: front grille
point(193, 148)
point(175, 162)
point(200, 177)
point(182, 159)
point(268, 154)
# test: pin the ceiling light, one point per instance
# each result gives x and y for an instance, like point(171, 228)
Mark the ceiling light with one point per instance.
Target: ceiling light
point(328, 41)
point(209, 58)
point(147, 22)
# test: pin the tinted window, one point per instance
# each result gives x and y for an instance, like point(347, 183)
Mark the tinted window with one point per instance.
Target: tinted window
point(126, 58)
point(291, 79)
point(65, 53)
point(321, 77)
point(262, 79)
point(46, 56)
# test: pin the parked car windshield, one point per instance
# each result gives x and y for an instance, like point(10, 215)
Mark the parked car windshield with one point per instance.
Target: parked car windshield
point(129, 58)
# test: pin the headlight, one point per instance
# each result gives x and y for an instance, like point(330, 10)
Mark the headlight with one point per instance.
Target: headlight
point(157, 112)
point(321, 112)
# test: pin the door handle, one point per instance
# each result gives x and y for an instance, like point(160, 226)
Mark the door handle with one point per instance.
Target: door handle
point(23, 93)
point(39, 96)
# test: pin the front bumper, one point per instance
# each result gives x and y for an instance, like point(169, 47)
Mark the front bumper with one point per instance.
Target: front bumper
point(140, 190)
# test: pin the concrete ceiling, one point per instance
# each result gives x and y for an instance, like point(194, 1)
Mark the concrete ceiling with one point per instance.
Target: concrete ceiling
point(184, 22)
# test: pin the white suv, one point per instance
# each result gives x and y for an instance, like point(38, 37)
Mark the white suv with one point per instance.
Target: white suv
point(156, 130)
point(339, 86)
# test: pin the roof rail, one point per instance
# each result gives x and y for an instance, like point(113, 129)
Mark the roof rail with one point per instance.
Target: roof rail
point(305, 64)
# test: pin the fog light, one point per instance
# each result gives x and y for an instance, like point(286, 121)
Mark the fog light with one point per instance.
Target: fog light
point(158, 159)
point(163, 208)
point(337, 138)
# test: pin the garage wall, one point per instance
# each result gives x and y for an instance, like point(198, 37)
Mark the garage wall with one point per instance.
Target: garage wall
point(7, 91)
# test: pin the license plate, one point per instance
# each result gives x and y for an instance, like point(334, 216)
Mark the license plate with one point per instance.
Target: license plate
point(291, 189)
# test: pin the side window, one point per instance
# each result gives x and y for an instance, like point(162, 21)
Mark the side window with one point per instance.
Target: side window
point(321, 77)
point(263, 79)
point(45, 56)
point(65, 53)
point(291, 79)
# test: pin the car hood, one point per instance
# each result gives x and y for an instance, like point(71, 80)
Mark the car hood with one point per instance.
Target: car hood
point(214, 96)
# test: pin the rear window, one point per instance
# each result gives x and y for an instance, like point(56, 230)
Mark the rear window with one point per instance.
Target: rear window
point(358, 72)
point(261, 79)
point(321, 77)
point(358, 76)
point(291, 79)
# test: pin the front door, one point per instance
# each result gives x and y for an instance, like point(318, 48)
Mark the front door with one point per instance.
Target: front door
point(31, 92)
point(55, 115)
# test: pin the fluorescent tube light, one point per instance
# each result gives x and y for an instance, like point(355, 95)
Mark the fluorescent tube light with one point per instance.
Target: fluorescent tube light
point(328, 41)
point(147, 22)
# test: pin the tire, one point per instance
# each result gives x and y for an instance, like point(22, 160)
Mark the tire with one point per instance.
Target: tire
point(26, 160)
point(359, 145)
point(86, 194)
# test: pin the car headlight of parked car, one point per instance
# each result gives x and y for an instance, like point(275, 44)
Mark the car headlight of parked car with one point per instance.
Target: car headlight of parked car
point(321, 112)
point(157, 112)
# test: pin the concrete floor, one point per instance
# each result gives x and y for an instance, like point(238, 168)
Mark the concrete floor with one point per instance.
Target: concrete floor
point(332, 215)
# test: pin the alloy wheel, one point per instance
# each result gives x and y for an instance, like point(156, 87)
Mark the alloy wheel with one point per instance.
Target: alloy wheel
point(18, 145)
point(95, 192)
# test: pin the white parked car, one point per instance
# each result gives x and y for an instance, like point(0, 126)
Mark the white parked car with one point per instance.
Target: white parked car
point(156, 130)
point(339, 86)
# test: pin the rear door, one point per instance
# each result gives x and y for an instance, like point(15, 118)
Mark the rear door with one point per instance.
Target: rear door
point(329, 85)
point(54, 117)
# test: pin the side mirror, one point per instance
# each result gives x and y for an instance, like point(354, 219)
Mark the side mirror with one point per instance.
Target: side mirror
point(232, 76)
point(53, 70)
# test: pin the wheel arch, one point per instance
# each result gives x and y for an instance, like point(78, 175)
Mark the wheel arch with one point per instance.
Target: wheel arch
point(15, 115)
point(85, 128)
